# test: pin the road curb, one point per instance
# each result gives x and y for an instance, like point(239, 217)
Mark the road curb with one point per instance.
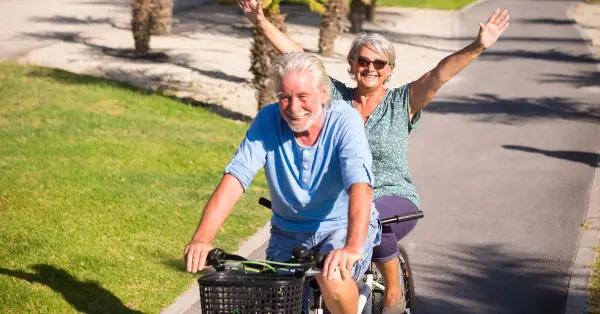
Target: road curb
point(471, 5)
point(580, 272)
point(578, 294)
point(191, 295)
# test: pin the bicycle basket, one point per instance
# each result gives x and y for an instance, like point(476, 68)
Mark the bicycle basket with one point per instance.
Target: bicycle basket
point(232, 292)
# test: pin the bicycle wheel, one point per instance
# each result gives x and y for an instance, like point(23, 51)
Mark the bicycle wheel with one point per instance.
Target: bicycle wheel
point(406, 285)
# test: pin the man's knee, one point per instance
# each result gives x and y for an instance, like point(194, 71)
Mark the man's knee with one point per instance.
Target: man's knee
point(338, 288)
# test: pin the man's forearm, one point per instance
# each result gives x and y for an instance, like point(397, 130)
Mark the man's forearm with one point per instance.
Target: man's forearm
point(359, 212)
point(217, 208)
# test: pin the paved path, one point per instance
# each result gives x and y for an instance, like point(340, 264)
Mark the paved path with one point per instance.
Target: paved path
point(504, 161)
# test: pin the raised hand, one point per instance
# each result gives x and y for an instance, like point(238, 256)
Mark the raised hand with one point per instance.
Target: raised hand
point(493, 28)
point(252, 10)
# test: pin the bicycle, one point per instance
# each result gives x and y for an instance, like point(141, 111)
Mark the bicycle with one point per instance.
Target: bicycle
point(243, 286)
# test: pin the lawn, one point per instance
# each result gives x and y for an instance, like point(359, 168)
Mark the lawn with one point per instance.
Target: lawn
point(102, 185)
point(594, 305)
point(431, 4)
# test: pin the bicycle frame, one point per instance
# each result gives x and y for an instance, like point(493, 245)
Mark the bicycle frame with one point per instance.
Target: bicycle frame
point(367, 284)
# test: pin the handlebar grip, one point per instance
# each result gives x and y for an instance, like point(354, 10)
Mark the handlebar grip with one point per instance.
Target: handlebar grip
point(264, 202)
point(218, 256)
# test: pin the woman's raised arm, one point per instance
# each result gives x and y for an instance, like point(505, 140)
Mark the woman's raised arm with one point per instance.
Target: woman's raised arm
point(426, 87)
point(253, 11)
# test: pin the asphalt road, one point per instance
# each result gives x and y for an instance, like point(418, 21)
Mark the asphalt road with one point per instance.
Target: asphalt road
point(504, 161)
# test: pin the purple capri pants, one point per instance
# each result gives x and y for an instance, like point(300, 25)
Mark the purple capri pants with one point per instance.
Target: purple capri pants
point(388, 206)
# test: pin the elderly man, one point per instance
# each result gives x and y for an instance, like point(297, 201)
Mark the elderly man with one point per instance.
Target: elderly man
point(318, 167)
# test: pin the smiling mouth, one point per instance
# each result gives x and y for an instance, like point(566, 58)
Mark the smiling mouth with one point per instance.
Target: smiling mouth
point(297, 117)
point(369, 76)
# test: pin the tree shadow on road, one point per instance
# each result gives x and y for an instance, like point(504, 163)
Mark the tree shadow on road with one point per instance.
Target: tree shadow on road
point(583, 79)
point(497, 109)
point(546, 55)
point(587, 158)
point(84, 296)
point(549, 21)
point(491, 279)
point(181, 60)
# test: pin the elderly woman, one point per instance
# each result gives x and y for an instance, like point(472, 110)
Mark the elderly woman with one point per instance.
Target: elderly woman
point(389, 115)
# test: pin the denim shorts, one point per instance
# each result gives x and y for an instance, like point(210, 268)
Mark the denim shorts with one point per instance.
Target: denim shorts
point(283, 242)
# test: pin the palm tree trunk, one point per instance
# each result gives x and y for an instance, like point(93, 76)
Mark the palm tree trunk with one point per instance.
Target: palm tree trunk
point(358, 11)
point(262, 56)
point(332, 25)
point(162, 13)
point(371, 10)
point(141, 25)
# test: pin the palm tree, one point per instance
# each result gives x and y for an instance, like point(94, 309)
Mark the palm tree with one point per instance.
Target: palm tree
point(263, 54)
point(371, 10)
point(358, 12)
point(162, 13)
point(332, 25)
point(141, 25)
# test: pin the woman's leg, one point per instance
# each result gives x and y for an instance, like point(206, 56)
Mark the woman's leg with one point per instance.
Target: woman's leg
point(385, 255)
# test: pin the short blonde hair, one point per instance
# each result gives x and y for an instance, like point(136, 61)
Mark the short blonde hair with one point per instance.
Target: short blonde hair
point(375, 42)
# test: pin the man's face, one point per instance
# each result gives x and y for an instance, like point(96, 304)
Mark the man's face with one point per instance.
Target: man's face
point(300, 102)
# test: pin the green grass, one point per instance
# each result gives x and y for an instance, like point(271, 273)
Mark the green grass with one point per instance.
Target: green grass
point(594, 305)
point(101, 186)
point(430, 4)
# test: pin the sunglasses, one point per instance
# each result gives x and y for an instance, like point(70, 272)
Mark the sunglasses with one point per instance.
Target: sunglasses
point(377, 64)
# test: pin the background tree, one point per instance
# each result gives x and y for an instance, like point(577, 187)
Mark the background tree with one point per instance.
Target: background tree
point(262, 54)
point(332, 25)
point(141, 25)
point(162, 16)
point(371, 6)
point(357, 15)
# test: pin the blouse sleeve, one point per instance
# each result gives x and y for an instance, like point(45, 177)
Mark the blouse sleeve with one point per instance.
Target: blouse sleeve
point(402, 102)
point(339, 90)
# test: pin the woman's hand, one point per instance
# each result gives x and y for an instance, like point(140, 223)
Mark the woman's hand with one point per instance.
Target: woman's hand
point(493, 28)
point(252, 10)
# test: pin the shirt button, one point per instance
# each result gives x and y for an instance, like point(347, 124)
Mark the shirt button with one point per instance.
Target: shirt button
point(305, 180)
point(305, 167)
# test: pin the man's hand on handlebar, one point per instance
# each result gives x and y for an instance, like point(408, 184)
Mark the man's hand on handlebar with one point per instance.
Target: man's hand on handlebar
point(195, 254)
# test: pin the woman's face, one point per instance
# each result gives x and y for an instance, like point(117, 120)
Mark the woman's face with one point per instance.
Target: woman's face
point(371, 70)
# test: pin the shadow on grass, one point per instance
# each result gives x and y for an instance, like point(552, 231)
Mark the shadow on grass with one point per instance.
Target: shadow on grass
point(494, 108)
point(84, 296)
point(490, 279)
point(130, 76)
point(587, 158)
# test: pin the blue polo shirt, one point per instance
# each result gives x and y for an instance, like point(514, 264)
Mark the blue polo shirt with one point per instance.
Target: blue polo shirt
point(308, 185)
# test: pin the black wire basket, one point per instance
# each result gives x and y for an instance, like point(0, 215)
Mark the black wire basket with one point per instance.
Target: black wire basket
point(230, 292)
